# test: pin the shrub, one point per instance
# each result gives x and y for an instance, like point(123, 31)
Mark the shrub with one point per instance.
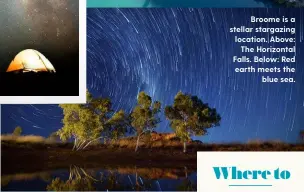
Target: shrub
point(23, 139)
point(17, 131)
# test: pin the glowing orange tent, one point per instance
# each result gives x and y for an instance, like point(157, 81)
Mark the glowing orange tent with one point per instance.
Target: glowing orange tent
point(30, 60)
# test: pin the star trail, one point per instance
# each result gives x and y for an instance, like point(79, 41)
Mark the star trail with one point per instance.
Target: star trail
point(163, 51)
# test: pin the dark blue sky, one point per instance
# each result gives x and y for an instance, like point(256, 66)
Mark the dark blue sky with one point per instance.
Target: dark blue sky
point(162, 51)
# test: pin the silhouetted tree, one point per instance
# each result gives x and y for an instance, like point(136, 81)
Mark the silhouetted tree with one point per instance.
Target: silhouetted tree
point(17, 131)
point(118, 125)
point(86, 123)
point(189, 116)
point(144, 116)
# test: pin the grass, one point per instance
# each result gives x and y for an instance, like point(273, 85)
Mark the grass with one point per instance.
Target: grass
point(23, 139)
point(34, 141)
point(38, 153)
point(251, 145)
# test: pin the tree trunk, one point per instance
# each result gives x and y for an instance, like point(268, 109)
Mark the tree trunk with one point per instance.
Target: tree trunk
point(81, 145)
point(91, 142)
point(75, 143)
point(78, 144)
point(185, 147)
point(71, 176)
point(136, 177)
point(137, 143)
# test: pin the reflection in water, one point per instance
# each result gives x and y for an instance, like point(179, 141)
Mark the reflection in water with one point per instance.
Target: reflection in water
point(113, 179)
point(186, 184)
point(43, 176)
point(78, 180)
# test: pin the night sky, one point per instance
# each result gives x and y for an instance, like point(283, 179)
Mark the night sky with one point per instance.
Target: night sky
point(162, 51)
point(48, 26)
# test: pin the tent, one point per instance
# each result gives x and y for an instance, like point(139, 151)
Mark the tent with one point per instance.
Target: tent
point(30, 60)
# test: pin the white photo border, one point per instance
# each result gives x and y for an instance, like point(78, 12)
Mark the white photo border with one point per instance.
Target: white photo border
point(81, 98)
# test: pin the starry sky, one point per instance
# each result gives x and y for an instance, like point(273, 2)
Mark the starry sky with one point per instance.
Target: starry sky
point(162, 51)
point(44, 25)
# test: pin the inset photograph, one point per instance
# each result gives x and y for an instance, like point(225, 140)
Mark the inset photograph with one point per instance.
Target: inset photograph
point(39, 49)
